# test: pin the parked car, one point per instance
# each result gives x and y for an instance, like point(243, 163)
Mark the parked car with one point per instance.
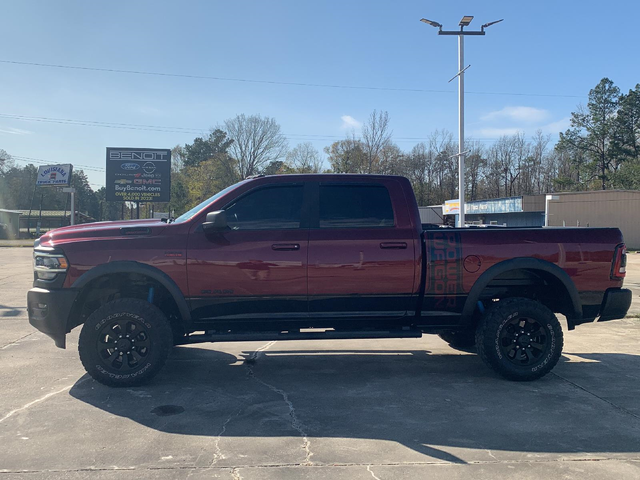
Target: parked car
point(319, 257)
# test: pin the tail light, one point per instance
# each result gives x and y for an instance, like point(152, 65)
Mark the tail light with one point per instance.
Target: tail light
point(619, 266)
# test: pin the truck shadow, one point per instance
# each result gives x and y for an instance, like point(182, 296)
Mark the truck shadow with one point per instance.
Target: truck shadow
point(442, 406)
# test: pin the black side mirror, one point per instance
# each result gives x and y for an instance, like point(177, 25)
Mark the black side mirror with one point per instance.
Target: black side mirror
point(215, 222)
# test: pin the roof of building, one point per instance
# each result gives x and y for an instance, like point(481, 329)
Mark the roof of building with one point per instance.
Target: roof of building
point(52, 213)
point(4, 210)
point(598, 192)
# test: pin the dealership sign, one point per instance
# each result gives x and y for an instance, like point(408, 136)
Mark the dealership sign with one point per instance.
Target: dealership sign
point(138, 175)
point(54, 175)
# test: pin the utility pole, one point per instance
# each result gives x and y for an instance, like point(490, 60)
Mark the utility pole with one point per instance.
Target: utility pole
point(466, 20)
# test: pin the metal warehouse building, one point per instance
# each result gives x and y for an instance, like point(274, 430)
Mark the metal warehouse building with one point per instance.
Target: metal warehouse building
point(523, 211)
point(603, 208)
point(600, 208)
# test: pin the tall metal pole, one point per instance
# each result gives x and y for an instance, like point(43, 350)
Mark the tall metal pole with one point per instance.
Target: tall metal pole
point(73, 206)
point(461, 128)
point(466, 20)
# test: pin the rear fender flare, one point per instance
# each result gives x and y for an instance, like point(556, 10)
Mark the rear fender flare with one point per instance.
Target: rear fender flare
point(527, 263)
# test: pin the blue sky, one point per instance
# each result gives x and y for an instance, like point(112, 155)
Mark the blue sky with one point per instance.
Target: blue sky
point(542, 48)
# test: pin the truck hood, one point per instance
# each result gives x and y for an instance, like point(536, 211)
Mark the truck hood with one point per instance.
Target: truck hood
point(91, 231)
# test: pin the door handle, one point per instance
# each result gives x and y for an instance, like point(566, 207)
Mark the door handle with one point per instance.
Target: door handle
point(285, 246)
point(394, 245)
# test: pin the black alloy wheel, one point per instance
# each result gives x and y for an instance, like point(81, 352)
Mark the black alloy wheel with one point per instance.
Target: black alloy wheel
point(524, 340)
point(519, 338)
point(125, 342)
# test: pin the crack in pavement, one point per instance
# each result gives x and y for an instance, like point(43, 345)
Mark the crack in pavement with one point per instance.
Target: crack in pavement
point(371, 472)
point(16, 341)
point(218, 455)
point(295, 421)
point(30, 404)
point(579, 387)
point(327, 465)
point(39, 400)
point(235, 473)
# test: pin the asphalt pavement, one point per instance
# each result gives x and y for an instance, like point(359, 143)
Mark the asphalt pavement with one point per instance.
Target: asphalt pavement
point(344, 409)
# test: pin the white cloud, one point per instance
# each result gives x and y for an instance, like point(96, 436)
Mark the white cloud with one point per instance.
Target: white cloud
point(552, 128)
point(518, 114)
point(497, 132)
point(349, 122)
point(557, 127)
point(15, 131)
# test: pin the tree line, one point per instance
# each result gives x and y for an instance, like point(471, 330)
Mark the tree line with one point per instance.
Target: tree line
point(600, 150)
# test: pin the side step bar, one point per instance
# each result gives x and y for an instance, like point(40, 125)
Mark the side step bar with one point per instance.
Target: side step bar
point(325, 335)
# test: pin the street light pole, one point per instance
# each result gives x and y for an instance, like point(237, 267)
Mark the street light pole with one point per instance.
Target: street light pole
point(466, 20)
point(461, 152)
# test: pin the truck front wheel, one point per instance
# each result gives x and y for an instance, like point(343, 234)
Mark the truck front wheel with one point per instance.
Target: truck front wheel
point(125, 342)
point(520, 339)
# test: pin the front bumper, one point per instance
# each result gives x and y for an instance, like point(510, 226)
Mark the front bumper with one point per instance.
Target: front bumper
point(49, 311)
point(616, 304)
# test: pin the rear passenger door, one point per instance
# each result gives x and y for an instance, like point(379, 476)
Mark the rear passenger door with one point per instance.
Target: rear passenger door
point(361, 251)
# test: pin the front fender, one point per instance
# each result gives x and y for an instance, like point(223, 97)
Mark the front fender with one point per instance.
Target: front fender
point(142, 269)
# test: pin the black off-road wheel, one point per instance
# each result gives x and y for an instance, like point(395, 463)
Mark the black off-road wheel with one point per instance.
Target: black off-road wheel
point(464, 341)
point(125, 342)
point(520, 339)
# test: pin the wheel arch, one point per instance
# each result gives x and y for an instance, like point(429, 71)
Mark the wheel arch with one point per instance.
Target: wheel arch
point(546, 269)
point(123, 269)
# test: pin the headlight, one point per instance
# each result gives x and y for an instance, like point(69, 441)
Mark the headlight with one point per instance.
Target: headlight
point(48, 265)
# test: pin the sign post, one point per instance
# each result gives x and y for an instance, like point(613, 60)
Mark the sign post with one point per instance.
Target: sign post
point(72, 191)
point(51, 176)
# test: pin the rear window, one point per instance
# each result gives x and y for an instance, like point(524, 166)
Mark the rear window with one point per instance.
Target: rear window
point(355, 206)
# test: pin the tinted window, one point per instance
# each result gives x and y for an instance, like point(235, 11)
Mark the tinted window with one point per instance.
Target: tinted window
point(267, 209)
point(355, 206)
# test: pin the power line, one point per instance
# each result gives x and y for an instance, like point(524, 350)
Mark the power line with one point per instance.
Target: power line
point(275, 82)
point(50, 162)
point(197, 131)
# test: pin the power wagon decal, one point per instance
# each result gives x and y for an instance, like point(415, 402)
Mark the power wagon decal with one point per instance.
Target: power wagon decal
point(444, 271)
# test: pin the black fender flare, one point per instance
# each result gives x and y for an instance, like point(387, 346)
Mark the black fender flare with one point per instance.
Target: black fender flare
point(528, 263)
point(143, 269)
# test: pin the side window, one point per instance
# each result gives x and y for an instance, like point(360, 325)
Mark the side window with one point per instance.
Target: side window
point(355, 206)
point(267, 209)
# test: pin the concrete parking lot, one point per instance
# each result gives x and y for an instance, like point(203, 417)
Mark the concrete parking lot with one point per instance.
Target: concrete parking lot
point(361, 409)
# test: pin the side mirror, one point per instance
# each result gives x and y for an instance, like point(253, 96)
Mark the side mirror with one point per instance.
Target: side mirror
point(215, 222)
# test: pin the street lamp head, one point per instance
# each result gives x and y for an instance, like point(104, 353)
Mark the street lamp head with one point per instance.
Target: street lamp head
point(431, 22)
point(466, 20)
point(491, 23)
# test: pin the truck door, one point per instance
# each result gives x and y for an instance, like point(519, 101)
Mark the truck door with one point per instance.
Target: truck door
point(258, 268)
point(361, 251)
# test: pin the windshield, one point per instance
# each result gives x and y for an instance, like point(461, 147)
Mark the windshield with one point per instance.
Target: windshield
point(187, 215)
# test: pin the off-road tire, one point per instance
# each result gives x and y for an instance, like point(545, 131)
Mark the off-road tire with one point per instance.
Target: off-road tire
point(121, 323)
point(496, 339)
point(464, 341)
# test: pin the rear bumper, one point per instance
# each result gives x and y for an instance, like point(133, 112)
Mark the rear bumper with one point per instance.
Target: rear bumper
point(49, 311)
point(615, 304)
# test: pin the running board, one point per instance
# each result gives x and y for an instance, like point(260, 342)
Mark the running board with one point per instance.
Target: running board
point(325, 335)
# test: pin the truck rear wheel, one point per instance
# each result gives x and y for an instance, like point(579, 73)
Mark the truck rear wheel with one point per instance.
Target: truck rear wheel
point(464, 341)
point(125, 342)
point(520, 339)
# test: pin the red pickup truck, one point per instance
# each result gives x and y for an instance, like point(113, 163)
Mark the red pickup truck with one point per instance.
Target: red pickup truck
point(319, 257)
